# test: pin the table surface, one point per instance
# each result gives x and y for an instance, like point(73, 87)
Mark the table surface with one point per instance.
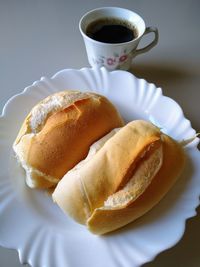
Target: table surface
point(38, 38)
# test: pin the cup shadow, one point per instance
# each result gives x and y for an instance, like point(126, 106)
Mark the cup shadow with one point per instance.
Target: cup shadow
point(160, 74)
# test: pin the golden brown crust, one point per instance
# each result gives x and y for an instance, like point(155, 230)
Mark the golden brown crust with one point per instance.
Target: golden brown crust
point(66, 136)
point(83, 192)
point(106, 220)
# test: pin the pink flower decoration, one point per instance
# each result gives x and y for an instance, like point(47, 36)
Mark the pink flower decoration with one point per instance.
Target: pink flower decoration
point(110, 61)
point(123, 58)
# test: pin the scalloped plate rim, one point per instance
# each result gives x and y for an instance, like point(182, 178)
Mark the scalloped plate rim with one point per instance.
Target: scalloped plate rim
point(9, 102)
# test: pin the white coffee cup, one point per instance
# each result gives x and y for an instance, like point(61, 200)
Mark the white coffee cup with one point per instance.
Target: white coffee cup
point(115, 55)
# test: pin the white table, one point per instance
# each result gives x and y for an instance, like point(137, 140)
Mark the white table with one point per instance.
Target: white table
point(38, 38)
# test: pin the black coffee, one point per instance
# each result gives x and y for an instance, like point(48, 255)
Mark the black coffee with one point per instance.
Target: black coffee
point(111, 30)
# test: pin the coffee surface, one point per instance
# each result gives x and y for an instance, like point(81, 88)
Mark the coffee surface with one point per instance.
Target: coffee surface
point(111, 30)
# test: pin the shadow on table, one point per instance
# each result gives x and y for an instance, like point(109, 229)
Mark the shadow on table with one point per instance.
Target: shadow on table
point(182, 254)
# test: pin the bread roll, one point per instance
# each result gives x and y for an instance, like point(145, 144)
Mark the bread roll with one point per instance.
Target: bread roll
point(123, 179)
point(58, 132)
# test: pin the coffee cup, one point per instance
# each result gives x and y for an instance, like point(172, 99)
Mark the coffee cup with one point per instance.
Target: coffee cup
point(111, 36)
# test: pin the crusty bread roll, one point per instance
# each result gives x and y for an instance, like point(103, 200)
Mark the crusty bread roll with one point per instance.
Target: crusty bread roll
point(121, 178)
point(58, 132)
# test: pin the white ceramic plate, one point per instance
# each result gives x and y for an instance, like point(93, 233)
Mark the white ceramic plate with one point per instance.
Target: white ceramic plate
point(42, 234)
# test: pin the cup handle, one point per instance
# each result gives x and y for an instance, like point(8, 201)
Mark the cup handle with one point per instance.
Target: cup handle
point(151, 45)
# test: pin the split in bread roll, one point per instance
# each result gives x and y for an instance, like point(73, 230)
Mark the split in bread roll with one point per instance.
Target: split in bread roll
point(58, 132)
point(121, 178)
